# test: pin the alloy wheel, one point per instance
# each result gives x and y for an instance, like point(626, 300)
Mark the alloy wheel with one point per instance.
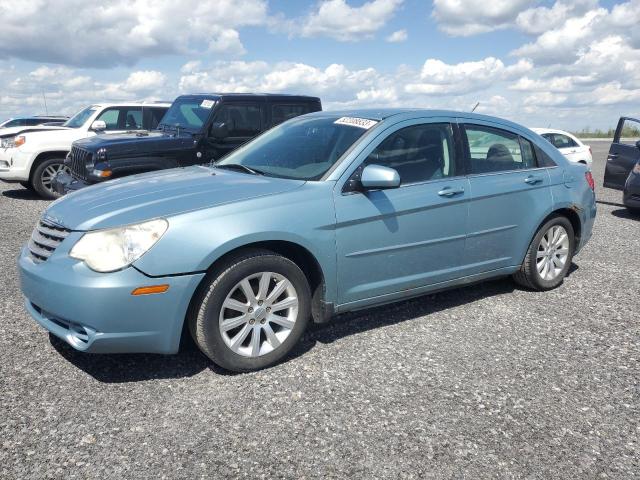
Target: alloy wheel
point(258, 314)
point(50, 172)
point(553, 253)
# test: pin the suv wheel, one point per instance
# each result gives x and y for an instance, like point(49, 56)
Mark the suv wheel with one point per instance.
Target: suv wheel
point(43, 176)
point(549, 256)
point(252, 311)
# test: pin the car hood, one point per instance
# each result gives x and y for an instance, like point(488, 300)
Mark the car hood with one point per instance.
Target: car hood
point(121, 144)
point(159, 194)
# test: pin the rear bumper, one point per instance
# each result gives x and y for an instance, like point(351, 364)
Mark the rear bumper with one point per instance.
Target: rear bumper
point(96, 313)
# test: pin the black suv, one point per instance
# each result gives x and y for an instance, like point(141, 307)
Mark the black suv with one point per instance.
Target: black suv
point(197, 129)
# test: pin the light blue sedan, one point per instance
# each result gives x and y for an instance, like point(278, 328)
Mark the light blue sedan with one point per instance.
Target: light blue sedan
point(326, 213)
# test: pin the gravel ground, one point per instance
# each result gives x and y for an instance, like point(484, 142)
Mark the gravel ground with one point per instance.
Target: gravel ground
point(488, 381)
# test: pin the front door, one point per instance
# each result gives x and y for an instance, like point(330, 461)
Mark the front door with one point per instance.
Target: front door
point(509, 194)
point(243, 120)
point(395, 240)
point(623, 153)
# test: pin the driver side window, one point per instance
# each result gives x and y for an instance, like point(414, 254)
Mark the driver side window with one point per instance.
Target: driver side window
point(418, 153)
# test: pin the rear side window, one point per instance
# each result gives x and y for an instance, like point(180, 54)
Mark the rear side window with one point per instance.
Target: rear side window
point(495, 150)
point(281, 113)
point(544, 160)
point(152, 117)
point(242, 120)
point(629, 134)
point(562, 141)
point(418, 153)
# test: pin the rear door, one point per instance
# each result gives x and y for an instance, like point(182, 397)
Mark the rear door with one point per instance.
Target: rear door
point(567, 146)
point(244, 121)
point(509, 195)
point(623, 153)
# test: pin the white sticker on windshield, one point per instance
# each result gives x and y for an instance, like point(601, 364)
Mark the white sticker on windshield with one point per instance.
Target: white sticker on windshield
point(356, 122)
point(207, 103)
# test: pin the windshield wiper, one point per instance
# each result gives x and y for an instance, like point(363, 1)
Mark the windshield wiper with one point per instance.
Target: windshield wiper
point(237, 166)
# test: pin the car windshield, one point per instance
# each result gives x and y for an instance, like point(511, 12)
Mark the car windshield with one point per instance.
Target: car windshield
point(301, 149)
point(189, 113)
point(80, 118)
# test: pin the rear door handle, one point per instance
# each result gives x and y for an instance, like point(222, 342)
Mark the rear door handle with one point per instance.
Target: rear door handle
point(612, 156)
point(532, 180)
point(450, 192)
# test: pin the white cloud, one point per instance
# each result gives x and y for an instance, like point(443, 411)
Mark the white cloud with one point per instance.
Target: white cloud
point(470, 17)
point(438, 77)
point(146, 80)
point(111, 32)
point(339, 20)
point(397, 37)
point(538, 20)
point(562, 44)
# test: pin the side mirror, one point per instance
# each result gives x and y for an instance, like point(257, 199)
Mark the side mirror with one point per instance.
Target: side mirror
point(220, 130)
point(377, 177)
point(638, 144)
point(98, 126)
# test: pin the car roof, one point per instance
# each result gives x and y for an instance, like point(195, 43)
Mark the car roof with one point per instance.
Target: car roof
point(131, 104)
point(551, 130)
point(272, 96)
point(381, 114)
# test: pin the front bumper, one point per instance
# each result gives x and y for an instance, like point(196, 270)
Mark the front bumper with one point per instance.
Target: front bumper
point(96, 312)
point(64, 183)
point(13, 168)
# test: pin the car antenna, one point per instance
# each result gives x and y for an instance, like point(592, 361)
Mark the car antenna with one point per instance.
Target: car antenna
point(474, 108)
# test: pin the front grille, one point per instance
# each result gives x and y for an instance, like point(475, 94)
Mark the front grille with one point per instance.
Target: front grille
point(45, 239)
point(78, 162)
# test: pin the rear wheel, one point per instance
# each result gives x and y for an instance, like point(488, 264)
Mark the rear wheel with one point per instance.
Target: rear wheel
point(43, 176)
point(549, 256)
point(252, 311)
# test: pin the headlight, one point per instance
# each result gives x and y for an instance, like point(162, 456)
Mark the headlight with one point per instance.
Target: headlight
point(12, 142)
point(117, 248)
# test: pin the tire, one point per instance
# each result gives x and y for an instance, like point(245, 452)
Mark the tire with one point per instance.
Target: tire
point(42, 175)
point(634, 210)
point(276, 335)
point(530, 275)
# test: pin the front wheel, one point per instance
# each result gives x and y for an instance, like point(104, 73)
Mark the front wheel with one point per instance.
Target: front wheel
point(252, 311)
point(549, 256)
point(43, 177)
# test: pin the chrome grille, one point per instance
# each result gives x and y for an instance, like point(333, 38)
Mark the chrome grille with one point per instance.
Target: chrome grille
point(45, 239)
point(78, 162)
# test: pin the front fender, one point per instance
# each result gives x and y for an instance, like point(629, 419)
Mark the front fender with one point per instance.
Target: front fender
point(195, 240)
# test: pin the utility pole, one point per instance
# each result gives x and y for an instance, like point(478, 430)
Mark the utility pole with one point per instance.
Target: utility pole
point(46, 110)
point(474, 108)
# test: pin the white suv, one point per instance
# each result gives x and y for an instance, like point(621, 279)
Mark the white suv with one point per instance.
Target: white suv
point(33, 158)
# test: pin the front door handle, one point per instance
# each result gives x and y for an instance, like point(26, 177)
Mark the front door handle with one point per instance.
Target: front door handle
point(450, 192)
point(533, 180)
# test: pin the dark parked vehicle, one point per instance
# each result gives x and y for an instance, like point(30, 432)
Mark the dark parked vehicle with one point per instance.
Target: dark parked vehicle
point(197, 129)
point(623, 163)
point(33, 121)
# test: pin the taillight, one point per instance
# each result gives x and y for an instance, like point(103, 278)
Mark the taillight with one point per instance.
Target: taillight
point(590, 181)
